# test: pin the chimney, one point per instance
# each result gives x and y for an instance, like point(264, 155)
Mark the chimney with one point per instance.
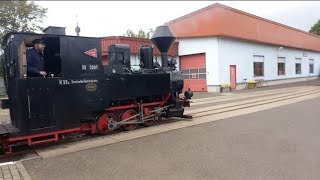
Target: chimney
point(163, 38)
point(55, 30)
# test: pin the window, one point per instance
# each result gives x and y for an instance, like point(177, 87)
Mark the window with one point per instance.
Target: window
point(193, 71)
point(281, 66)
point(185, 71)
point(202, 73)
point(202, 70)
point(311, 66)
point(199, 73)
point(202, 76)
point(258, 66)
point(51, 56)
point(298, 68)
point(298, 65)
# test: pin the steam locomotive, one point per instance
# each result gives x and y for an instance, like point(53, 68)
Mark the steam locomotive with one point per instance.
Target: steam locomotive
point(82, 95)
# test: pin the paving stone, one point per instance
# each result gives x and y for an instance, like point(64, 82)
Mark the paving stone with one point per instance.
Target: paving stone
point(4, 167)
point(16, 177)
point(6, 172)
point(12, 167)
point(15, 173)
point(10, 172)
point(7, 176)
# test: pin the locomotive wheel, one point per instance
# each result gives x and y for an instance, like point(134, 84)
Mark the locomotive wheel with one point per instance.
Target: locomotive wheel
point(147, 113)
point(152, 121)
point(102, 123)
point(148, 123)
point(127, 114)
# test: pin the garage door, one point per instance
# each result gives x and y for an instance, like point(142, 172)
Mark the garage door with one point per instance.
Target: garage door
point(193, 68)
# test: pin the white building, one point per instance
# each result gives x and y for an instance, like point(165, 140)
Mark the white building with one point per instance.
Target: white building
point(219, 45)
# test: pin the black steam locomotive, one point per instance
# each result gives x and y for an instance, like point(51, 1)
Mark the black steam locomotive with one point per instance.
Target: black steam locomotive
point(82, 95)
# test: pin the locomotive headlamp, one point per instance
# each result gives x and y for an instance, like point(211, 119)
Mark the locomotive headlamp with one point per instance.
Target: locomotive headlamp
point(188, 94)
point(173, 62)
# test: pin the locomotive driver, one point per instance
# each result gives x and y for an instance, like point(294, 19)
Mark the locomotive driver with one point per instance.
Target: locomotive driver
point(35, 59)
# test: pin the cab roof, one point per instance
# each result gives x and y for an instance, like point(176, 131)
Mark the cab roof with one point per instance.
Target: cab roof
point(37, 35)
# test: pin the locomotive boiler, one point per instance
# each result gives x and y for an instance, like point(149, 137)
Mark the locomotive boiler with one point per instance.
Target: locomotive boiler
point(82, 95)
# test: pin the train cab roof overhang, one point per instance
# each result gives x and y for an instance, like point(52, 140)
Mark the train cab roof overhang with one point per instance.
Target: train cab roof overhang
point(29, 37)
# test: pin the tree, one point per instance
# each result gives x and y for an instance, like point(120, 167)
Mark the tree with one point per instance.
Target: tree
point(140, 34)
point(130, 33)
point(315, 29)
point(19, 16)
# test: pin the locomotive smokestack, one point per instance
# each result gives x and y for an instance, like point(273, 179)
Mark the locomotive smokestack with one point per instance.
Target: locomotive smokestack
point(163, 38)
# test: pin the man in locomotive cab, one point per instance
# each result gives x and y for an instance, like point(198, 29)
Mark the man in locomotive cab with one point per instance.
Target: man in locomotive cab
point(35, 59)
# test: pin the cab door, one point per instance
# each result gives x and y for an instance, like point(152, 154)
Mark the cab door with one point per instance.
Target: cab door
point(40, 104)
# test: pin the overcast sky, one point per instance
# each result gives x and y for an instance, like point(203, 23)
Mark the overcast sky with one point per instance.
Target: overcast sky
point(108, 18)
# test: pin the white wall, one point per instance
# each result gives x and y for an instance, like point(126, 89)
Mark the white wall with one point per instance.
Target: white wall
point(240, 53)
point(207, 45)
point(221, 52)
point(134, 60)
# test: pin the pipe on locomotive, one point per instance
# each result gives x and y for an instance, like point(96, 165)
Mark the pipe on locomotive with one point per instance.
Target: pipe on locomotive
point(163, 38)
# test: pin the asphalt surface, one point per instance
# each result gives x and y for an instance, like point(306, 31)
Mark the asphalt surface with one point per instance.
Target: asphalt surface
point(280, 143)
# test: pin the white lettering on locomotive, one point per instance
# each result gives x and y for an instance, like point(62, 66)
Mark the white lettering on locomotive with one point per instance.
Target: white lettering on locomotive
point(89, 67)
point(83, 67)
point(93, 67)
point(82, 81)
point(64, 82)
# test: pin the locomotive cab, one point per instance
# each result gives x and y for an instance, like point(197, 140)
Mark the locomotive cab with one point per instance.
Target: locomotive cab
point(39, 104)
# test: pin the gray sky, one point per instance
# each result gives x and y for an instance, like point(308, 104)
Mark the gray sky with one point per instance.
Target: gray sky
point(108, 18)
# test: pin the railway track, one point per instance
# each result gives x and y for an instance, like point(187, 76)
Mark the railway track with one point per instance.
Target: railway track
point(249, 103)
point(243, 103)
point(216, 99)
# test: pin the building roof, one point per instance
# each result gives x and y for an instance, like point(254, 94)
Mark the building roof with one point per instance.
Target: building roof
point(134, 44)
point(221, 20)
